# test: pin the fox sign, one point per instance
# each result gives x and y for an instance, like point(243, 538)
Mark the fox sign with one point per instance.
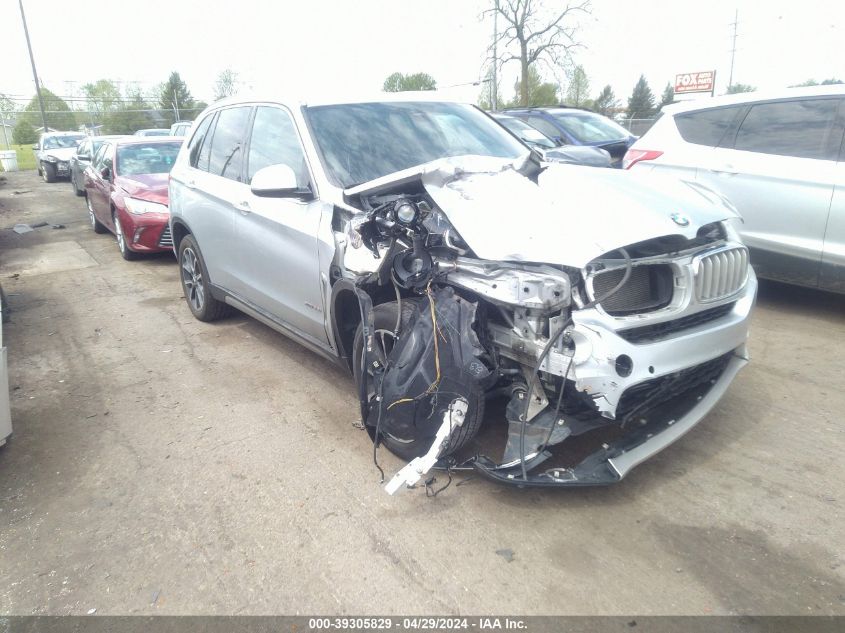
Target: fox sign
point(695, 82)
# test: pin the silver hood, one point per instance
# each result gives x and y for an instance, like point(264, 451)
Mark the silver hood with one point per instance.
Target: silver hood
point(572, 215)
point(60, 153)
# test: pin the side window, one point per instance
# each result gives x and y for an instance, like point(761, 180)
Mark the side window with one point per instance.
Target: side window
point(544, 126)
point(97, 162)
point(803, 129)
point(707, 127)
point(198, 141)
point(227, 143)
point(108, 155)
point(274, 141)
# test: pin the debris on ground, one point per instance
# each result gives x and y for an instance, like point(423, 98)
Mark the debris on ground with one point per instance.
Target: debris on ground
point(507, 554)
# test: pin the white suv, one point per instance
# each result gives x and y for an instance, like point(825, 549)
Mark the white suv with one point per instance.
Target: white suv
point(778, 157)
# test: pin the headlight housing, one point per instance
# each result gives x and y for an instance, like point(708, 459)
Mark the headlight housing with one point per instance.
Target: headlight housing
point(51, 159)
point(142, 207)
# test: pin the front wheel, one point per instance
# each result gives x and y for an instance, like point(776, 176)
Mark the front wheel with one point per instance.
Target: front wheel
point(384, 337)
point(122, 246)
point(195, 284)
point(48, 171)
point(79, 192)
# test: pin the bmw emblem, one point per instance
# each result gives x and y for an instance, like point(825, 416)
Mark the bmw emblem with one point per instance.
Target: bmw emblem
point(680, 219)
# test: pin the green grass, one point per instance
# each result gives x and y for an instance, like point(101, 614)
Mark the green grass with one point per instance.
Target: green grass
point(26, 157)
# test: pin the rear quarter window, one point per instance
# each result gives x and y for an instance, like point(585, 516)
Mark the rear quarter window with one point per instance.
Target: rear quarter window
point(805, 128)
point(707, 127)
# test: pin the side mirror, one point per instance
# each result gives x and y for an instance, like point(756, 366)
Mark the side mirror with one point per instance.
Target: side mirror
point(278, 181)
point(35, 148)
point(105, 172)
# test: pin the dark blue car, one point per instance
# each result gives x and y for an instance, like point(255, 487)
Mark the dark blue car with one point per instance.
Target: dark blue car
point(573, 126)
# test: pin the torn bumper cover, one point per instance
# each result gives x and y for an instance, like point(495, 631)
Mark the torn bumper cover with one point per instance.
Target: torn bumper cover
point(614, 460)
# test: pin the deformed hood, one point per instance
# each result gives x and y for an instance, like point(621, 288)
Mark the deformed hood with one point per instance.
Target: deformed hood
point(572, 215)
point(61, 153)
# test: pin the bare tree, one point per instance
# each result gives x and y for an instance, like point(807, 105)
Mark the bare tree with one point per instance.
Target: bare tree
point(226, 84)
point(534, 33)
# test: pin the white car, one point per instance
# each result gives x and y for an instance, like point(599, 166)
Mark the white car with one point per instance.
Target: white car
point(53, 153)
point(779, 158)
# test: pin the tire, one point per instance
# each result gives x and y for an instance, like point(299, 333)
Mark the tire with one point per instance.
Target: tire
point(384, 320)
point(122, 246)
point(95, 223)
point(48, 171)
point(195, 284)
point(79, 192)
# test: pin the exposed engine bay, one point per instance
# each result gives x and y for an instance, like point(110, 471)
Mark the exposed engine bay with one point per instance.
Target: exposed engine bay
point(617, 345)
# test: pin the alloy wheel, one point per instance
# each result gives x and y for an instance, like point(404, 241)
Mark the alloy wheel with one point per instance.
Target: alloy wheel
point(192, 279)
point(118, 233)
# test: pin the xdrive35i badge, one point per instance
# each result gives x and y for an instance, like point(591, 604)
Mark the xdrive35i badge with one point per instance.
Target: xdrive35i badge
point(680, 219)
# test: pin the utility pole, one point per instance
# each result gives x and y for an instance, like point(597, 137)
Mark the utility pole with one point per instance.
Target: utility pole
point(34, 73)
point(494, 101)
point(733, 49)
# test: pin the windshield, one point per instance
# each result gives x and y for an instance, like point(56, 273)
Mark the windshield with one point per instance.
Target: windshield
point(59, 142)
point(526, 132)
point(363, 141)
point(146, 158)
point(161, 132)
point(587, 127)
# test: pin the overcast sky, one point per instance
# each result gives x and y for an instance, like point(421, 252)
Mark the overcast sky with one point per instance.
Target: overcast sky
point(303, 47)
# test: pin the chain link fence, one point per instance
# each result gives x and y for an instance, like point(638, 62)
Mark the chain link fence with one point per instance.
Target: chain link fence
point(637, 127)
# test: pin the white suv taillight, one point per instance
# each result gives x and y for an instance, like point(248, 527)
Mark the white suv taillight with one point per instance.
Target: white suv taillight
point(633, 156)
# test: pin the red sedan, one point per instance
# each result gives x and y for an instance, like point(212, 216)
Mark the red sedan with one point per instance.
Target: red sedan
point(126, 192)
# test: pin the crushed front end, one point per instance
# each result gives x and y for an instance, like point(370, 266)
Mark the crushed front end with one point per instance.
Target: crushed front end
point(631, 346)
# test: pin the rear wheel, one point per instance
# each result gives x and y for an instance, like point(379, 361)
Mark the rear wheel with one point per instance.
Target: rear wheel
point(384, 322)
point(95, 223)
point(195, 283)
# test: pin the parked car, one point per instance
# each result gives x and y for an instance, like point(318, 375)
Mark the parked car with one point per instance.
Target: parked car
point(153, 132)
point(576, 126)
point(82, 158)
point(53, 152)
point(551, 150)
point(180, 128)
point(421, 246)
point(126, 192)
point(778, 157)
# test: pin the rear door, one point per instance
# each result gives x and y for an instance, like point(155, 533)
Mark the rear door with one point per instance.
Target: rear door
point(207, 190)
point(779, 169)
point(833, 258)
point(276, 245)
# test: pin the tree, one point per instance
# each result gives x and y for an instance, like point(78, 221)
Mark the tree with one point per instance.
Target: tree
point(813, 82)
point(540, 92)
point(397, 82)
point(174, 97)
point(58, 113)
point(226, 84)
point(533, 33)
point(102, 96)
point(134, 113)
point(606, 102)
point(24, 133)
point(641, 101)
point(577, 93)
point(668, 95)
point(738, 88)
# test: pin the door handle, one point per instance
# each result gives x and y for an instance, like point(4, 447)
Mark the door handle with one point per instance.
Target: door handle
point(243, 207)
point(726, 170)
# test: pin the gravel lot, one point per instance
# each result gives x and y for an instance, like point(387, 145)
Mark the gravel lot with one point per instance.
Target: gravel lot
point(163, 465)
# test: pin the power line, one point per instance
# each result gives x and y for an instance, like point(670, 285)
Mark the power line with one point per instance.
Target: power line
point(733, 49)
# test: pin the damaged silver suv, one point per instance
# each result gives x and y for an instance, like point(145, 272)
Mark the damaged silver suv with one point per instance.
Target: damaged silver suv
point(489, 306)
